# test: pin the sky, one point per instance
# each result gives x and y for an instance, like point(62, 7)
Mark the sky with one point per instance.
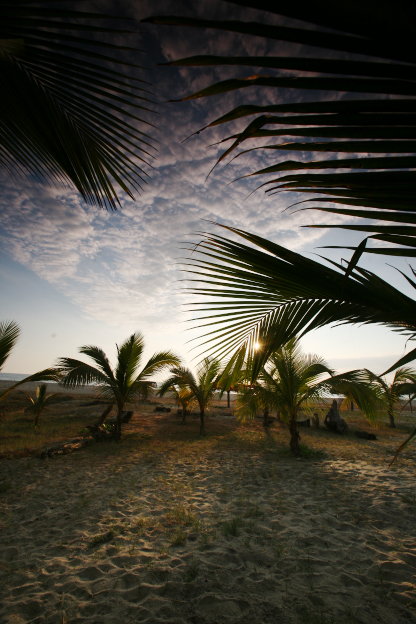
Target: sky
point(73, 275)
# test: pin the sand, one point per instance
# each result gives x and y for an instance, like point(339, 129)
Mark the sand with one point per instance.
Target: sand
point(206, 533)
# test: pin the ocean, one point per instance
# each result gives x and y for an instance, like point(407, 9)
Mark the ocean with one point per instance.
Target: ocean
point(12, 376)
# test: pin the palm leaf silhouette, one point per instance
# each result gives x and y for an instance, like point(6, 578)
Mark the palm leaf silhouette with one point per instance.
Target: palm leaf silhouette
point(72, 106)
point(365, 107)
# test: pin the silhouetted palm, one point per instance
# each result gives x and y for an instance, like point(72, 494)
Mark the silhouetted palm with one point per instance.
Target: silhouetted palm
point(403, 382)
point(39, 402)
point(201, 386)
point(265, 293)
point(362, 107)
point(125, 382)
point(71, 103)
point(9, 334)
point(292, 381)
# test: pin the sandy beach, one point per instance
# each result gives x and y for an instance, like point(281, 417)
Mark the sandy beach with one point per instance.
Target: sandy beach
point(171, 528)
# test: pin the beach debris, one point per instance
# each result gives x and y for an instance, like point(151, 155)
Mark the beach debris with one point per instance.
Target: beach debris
point(162, 409)
point(63, 448)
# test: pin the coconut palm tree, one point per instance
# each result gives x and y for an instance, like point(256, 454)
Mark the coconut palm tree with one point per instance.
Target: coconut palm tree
point(183, 396)
point(39, 402)
point(254, 398)
point(125, 381)
point(73, 105)
point(297, 381)
point(201, 386)
point(234, 376)
point(403, 382)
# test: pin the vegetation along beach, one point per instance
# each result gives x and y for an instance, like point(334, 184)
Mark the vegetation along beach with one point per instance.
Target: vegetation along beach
point(207, 245)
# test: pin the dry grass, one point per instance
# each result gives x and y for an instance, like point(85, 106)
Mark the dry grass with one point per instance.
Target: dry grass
point(153, 433)
point(62, 420)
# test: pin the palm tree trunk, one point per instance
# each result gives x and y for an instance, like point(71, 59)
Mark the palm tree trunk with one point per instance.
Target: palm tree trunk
point(104, 415)
point(294, 436)
point(202, 421)
point(118, 423)
point(266, 422)
point(390, 413)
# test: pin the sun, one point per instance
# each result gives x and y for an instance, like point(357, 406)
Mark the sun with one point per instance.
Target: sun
point(256, 346)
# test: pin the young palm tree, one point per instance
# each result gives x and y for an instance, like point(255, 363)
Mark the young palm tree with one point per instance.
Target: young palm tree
point(234, 376)
point(121, 384)
point(255, 398)
point(183, 396)
point(201, 386)
point(292, 381)
point(403, 382)
point(40, 402)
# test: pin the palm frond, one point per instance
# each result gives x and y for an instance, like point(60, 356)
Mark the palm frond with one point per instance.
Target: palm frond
point(100, 359)
point(47, 374)
point(344, 117)
point(76, 373)
point(157, 363)
point(269, 294)
point(403, 445)
point(128, 359)
point(9, 333)
point(73, 109)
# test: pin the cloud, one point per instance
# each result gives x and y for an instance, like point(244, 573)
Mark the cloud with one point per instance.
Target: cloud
point(123, 268)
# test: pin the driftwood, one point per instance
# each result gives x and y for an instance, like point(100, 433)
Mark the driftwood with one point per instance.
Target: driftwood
point(333, 420)
point(96, 433)
point(162, 409)
point(63, 448)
